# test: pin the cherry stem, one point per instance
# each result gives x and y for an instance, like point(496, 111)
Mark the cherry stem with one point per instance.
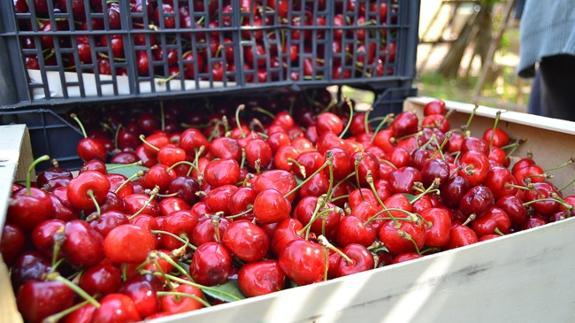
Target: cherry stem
point(529, 186)
point(562, 165)
point(129, 179)
point(324, 242)
point(57, 246)
point(198, 152)
point(57, 277)
point(307, 228)
point(567, 185)
point(498, 232)
point(439, 147)
point(182, 240)
point(237, 215)
point(328, 162)
point(75, 118)
point(31, 168)
point(366, 121)
point(369, 179)
point(514, 146)
point(171, 261)
point(326, 260)
point(93, 198)
point(391, 217)
point(143, 139)
point(469, 219)
point(350, 120)
point(226, 124)
point(183, 162)
point(300, 166)
point(54, 318)
point(116, 135)
point(470, 119)
point(215, 290)
point(138, 163)
point(495, 124)
point(408, 237)
point(153, 194)
point(264, 111)
point(330, 188)
point(554, 198)
point(180, 294)
point(385, 120)
point(432, 187)
point(356, 162)
point(341, 197)
point(239, 109)
point(216, 223)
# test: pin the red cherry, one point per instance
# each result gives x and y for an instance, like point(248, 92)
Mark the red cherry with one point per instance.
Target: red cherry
point(351, 230)
point(134, 202)
point(82, 244)
point(477, 200)
point(405, 257)
point(169, 155)
point(209, 230)
point(405, 124)
point(437, 228)
point(270, 206)
point(29, 266)
point(474, 167)
point(362, 260)
point(225, 148)
point(222, 172)
point(29, 207)
point(218, 199)
point(101, 279)
point(12, 243)
point(173, 304)
point(44, 234)
point(246, 240)
point(304, 262)
point(492, 221)
point(497, 137)
point(211, 264)
point(87, 184)
point(82, 315)
point(116, 308)
point(453, 190)
point(261, 278)
point(329, 122)
point(460, 236)
point(327, 224)
point(258, 154)
point(499, 181)
point(434, 107)
point(119, 244)
point(242, 199)
point(400, 236)
point(142, 291)
point(38, 300)
point(285, 232)
point(514, 208)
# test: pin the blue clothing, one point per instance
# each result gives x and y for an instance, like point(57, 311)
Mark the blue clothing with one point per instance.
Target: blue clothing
point(547, 29)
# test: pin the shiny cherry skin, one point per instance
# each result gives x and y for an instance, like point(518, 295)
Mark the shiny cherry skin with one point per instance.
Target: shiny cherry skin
point(101, 279)
point(211, 264)
point(186, 187)
point(437, 227)
point(116, 308)
point(492, 221)
point(362, 260)
point(400, 236)
point(261, 278)
point(142, 291)
point(499, 181)
point(477, 200)
point(31, 265)
point(246, 241)
point(28, 208)
point(40, 299)
point(304, 262)
point(170, 154)
point(352, 230)
point(460, 236)
point(285, 232)
point(405, 123)
point(453, 190)
point(119, 245)
point(44, 234)
point(434, 107)
point(209, 230)
point(12, 243)
point(329, 122)
point(474, 167)
point(83, 246)
point(270, 206)
point(176, 304)
point(90, 148)
point(80, 187)
point(222, 172)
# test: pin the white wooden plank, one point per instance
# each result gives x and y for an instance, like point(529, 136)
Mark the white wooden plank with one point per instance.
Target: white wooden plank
point(13, 140)
point(525, 277)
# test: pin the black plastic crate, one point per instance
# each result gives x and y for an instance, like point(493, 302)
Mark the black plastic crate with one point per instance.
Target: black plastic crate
point(58, 53)
point(52, 132)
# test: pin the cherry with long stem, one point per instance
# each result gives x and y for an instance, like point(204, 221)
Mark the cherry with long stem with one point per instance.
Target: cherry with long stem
point(31, 168)
point(153, 194)
point(324, 242)
point(350, 120)
point(55, 276)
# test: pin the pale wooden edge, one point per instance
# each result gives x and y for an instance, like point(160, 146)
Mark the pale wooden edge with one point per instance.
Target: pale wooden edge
point(15, 150)
point(531, 120)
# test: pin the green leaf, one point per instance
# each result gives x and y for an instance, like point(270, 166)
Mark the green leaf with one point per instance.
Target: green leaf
point(228, 292)
point(410, 197)
point(126, 170)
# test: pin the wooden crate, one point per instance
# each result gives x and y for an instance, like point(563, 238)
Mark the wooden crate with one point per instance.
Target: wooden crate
point(524, 277)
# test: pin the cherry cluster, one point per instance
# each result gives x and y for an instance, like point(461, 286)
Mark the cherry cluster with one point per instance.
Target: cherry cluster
point(278, 39)
point(250, 201)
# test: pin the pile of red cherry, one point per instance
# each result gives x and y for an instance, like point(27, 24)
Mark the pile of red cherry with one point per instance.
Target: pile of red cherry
point(231, 208)
point(276, 39)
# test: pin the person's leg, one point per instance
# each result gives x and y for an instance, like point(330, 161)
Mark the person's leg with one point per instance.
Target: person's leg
point(534, 105)
point(558, 86)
